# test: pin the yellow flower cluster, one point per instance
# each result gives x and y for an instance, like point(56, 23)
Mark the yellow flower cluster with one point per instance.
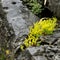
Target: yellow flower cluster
point(40, 28)
point(43, 27)
point(48, 26)
point(7, 52)
point(30, 41)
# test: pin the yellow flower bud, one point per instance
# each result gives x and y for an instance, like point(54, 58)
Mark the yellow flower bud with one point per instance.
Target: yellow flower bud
point(7, 52)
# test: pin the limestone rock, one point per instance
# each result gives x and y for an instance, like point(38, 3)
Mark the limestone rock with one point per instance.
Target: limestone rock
point(54, 6)
point(6, 31)
point(18, 16)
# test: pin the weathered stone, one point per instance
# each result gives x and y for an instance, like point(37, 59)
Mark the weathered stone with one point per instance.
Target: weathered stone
point(36, 50)
point(53, 38)
point(48, 39)
point(56, 35)
point(25, 56)
point(56, 57)
point(6, 35)
point(58, 42)
point(54, 6)
point(46, 51)
point(6, 32)
point(39, 58)
point(19, 17)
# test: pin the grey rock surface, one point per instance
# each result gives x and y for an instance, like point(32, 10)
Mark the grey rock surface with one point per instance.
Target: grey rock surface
point(39, 58)
point(53, 38)
point(45, 52)
point(25, 56)
point(6, 31)
point(34, 50)
point(18, 16)
point(6, 34)
point(14, 16)
point(54, 6)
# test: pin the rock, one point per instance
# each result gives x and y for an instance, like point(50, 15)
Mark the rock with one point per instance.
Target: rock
point(57, 35)
point(39, 58)
point(16, 27)
point(6, 32)
point(7, 35)
point(45, 52)
point(58, 42)
point(36, 50)
point(53, 38)
point(53, 50)
point(25, 56)
point(56, 57)
point(48, 39)
point(54, 6)
point(18, 16)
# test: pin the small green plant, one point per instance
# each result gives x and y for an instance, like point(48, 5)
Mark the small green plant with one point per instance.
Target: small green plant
point(42, 27)
point(34, 6)
point(2, 54)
